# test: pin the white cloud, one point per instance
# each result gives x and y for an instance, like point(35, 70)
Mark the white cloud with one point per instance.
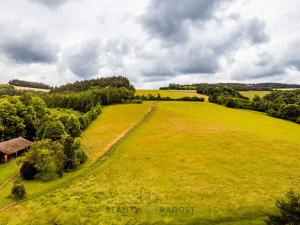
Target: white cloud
point(150, 41)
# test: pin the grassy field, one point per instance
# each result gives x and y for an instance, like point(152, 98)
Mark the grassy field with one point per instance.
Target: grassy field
point(5, 86)
point(170, 93)
point(114, 121)
point(286, 89)
point(7, 171)
point(212, 164)
point(251, 94)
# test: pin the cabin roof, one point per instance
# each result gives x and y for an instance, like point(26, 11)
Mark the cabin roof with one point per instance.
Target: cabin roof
point(14, 145)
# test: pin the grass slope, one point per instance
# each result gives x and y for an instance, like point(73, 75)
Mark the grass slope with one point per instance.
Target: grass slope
point(251, 94)
point(228, 165)
point(7, 171)
point(114, 121)
point(170, 93)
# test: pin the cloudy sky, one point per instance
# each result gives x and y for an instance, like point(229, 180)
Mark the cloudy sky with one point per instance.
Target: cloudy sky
point(152, 42)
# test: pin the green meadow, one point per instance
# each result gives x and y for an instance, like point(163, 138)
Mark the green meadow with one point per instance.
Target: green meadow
point(188, 163)
point(251, 94)
point(170, 93)
point(7, 171)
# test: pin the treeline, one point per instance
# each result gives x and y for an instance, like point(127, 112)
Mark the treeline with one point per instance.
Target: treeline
point(174, 86)
point(214, 90)
point(117, 82)
point(234, 86)
point(158, 97)
point(83, 101)
point(29, 84)
point(280, 104)
point(29, 116)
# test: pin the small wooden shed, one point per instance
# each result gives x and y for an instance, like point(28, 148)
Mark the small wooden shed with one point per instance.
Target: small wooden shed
point(13, 148)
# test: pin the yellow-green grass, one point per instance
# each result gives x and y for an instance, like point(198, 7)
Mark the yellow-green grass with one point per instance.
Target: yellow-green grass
point(251, 94)
point(170, 93)
point(113, 122)
point(228, 164)
point(286, 89)
point(7, 171)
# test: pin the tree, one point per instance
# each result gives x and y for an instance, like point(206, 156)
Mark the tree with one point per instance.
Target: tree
point(47, 157)
point(74, 153)
point(290, 111)
point(28, 171)
point(288, 211)
point(18, 190)
point(12, 125)
point(71, 124)
point(54, 131)
point(256, 98)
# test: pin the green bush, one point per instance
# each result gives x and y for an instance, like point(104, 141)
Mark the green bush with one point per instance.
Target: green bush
point(18, 190)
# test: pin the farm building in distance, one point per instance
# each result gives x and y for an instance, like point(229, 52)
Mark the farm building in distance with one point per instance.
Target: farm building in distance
point(13, 148)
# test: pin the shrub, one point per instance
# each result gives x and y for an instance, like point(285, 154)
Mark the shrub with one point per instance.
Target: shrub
point(289, 211)
point(18, 190)
point(28, 171)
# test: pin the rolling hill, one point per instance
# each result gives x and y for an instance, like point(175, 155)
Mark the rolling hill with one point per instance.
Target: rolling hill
point(188, 163)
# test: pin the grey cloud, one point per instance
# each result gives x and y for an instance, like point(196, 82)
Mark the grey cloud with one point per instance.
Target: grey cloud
point(157, 69)
point(264, 59)
point(28, 47)
point(176, 61)
point(51, 3)
point(292, 55)
point(87, 59)
point(84, 60)
point(169, 19)
point(254, 71)
point(255, 31)
point(199, 61)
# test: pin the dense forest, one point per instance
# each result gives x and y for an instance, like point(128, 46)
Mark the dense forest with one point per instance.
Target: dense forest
point(280, 104)
point(234, 86)
point(117, 82)
point(83, 101)
point(22, 83)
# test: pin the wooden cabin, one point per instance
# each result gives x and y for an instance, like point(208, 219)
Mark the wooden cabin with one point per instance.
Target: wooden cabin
point(13, 148)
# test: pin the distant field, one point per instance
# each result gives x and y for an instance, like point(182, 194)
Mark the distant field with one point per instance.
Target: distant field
point(5, 86)
point(228, 165)
point(251, 94)
point(286, 89)
point(170, 93)
point(31, 89)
